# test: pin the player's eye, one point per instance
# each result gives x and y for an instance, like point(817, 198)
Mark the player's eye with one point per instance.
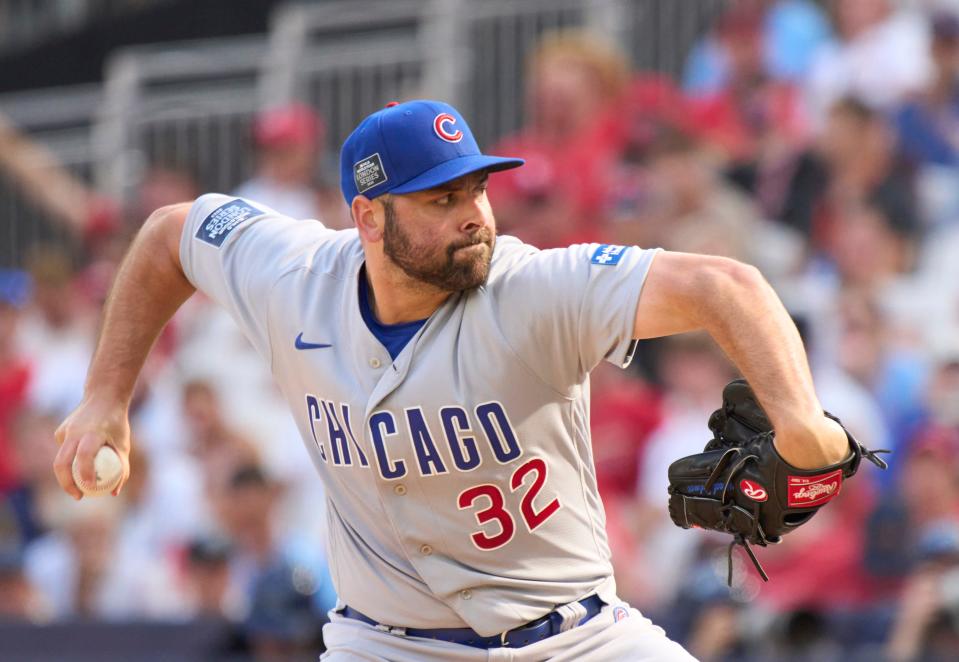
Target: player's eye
point(445, 200)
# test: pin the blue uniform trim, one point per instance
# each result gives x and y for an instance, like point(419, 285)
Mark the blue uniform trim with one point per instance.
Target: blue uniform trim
point(394, 337)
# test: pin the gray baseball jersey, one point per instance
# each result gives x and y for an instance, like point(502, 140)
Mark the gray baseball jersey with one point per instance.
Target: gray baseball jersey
point(459, 477)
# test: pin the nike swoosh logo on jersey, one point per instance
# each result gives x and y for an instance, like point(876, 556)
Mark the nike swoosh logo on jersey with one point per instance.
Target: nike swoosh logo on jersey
point(302, 344)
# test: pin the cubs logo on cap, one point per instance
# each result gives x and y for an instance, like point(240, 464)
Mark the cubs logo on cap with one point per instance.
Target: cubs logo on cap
point(411, 146)
point(440, 126)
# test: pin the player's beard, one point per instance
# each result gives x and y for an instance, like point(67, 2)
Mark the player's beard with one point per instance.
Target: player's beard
point(446, 268)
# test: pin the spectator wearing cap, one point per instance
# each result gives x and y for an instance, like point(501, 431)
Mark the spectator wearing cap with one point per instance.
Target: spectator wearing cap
point(248, 507)
point(288, 141)
point(205, 574)
point(284, 623)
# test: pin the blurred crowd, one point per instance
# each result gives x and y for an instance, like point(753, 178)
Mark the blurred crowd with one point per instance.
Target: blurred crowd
point(819, 142)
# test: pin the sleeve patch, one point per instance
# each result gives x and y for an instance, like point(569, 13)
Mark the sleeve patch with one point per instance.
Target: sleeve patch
point(608, 254)
point(221, 222)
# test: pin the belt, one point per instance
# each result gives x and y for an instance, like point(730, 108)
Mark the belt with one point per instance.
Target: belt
point(524, 635)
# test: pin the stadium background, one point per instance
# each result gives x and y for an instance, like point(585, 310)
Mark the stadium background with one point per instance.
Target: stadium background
point(819, 141)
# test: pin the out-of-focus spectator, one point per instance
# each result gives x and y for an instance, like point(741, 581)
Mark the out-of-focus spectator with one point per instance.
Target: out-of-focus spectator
point(925, 627)
point(18, 599)
point(803, 635)
point(693, 371)
point(689, 207)
point(706, 613)
point(881, 56)
point(284, 622)
point(36, 485)
point(57, 333)
point(870, 247)
point(159, 187)
point(750, 108)
point(86, 566)
point(247, 506)
point(928, 126)
point(572, 81)
point(929, 482)
point(15, 369)
point(623, 413)
point(218, 447)
point(854, 161)
point(791, 32)
point(895, 376)
point(289, 141)
point(820, 566)
point(755, 121)
point(205, 575)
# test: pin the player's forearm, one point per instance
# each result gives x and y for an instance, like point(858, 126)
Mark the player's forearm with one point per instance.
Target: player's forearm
point(746, 318)
point(149, 287)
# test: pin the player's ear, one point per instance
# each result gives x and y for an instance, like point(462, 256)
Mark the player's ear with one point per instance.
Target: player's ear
point(364, 217)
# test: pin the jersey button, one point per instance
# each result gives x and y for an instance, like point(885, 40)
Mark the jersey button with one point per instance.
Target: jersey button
point(400, 489)
point(426, 550)
point(466, 594)
point(375, 362)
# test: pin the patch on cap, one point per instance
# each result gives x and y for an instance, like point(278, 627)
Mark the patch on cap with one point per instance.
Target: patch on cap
point(368, 173)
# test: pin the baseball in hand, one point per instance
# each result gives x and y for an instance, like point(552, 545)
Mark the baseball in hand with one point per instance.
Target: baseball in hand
point(108, 471)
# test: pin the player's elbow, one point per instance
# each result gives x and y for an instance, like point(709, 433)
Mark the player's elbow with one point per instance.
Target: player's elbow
point(164, 227)
point(732, 277)
point(168, 220)
point(688, 292)
point(723, 279)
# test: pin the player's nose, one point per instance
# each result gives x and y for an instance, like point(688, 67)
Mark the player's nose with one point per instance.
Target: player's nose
point(475, 216)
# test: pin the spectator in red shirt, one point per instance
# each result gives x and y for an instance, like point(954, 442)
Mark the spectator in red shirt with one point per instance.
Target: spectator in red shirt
point(14, 369)
point(573, 80)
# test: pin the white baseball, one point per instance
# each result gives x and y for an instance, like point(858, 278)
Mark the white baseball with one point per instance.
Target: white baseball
point(108, 470)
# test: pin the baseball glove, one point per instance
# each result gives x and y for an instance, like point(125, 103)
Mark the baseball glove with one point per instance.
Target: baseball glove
point(740, 485)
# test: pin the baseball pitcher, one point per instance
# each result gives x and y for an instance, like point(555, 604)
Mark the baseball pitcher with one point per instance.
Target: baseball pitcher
point(439, 377)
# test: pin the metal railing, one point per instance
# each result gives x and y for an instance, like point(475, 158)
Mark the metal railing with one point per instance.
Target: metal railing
point(185, 106)
point(189, 105)
point(26, 21)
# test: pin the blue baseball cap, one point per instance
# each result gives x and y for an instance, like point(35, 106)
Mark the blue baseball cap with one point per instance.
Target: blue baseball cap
point(411, 146)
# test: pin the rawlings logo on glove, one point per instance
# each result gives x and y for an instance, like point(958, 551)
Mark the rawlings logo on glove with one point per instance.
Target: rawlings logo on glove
point(740, 485)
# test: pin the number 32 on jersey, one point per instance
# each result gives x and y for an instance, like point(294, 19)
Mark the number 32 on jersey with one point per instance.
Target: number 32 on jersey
point(496, 510)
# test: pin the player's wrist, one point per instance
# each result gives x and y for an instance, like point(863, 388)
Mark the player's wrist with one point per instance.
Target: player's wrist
point(107, 394)
point(812, 444)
